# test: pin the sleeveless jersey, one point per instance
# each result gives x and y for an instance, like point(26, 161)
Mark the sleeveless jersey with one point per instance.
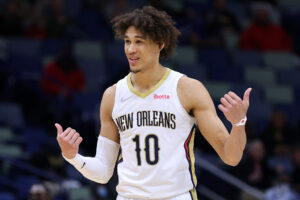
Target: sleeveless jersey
point(157, 140)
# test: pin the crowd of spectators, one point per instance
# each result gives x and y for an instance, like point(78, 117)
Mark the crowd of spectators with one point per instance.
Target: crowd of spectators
point(272, 156)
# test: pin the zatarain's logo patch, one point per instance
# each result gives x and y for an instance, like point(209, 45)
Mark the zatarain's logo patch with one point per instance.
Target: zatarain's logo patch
point(161, 96)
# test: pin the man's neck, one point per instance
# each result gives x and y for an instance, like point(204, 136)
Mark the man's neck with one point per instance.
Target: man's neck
point(147, 78)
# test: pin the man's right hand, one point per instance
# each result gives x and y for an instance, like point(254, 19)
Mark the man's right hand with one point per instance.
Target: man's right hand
point(68, 140)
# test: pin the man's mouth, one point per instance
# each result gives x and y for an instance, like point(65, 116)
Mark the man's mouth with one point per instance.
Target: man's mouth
point(132, 61)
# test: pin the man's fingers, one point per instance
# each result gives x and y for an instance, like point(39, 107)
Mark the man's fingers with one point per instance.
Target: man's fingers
point(66, 132)
point(247, 94)
point(78, 141)
point(74, 137)
point(229, 99)
point(59, 128)
point(222, 108)
point(225, 102)
point(234, 96)
point(70, 135)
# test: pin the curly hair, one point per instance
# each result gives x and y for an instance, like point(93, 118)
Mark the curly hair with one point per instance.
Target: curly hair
point(155, 24)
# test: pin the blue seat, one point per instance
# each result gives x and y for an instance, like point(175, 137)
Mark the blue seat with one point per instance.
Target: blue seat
point(289, 77)
point(25, 68)
point(257, 93)
point(51, 46)
point(214, 57)
point(260, 111)
point(7, 196)
point(72, 8)
point(24, 184)
point(11, 115)
point(115, 54)
point(194, 71)
point(88, 102)
point(91, 25)
point(95, 72)
point(225, 73)
point(35, 139)
point(23, 48)
point(247, 58)
point(292, 111)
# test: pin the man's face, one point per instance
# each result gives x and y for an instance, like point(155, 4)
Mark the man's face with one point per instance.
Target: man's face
point(140, 50)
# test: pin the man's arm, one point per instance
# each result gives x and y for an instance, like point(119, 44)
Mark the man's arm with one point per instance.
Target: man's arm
point(197, 101)
point(99, 168)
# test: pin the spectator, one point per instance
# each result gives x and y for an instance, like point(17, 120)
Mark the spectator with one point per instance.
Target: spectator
point(296, 172)
point(58, 22)
point(63, 76)
point(263, 34)
point(217, 20)
point(38, 29)
point(39, 192)
point(254, 169)
point(277, 137)
point(10, 21)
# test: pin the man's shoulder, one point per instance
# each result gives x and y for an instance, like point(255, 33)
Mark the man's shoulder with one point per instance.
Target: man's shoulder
point(190, 87)
point(110, 91)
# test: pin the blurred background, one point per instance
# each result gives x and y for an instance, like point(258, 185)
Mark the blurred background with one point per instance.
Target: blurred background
point(58, 56)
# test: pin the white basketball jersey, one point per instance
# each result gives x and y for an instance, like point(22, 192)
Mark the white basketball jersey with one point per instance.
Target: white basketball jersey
point(157, 140)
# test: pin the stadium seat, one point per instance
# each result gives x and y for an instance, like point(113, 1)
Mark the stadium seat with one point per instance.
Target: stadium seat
point(51, 47)
point(6, 135)
point(278, 60)
point(116, 58)
point(82, 193)
point(25, 68)
point(289, 77)
point(3, 50)
point(35, 139)
point(279, 94)
point(231, 41)
point(260, 76)
point(238, 9)
point(217, 89)
point(288, 4)
point(226, 73)
point(175, 5)
point(11, 115)
point(185, 55)
point(24, 183)
point(88, 50)
point(7, 196)
point(72, 7)
point(19, 47)
point(214, 58)
point(87, 101)
point(46, 60)
point(95, 72)
point(260, 111)
point(194, 71)
point(247, 58)
point(11, 151)
point(91, 23)
point(257, 93)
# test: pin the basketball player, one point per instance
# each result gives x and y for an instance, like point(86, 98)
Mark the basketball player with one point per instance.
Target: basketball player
point(150, 115)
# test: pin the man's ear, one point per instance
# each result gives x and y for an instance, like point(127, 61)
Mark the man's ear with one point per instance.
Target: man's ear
point(161, 46)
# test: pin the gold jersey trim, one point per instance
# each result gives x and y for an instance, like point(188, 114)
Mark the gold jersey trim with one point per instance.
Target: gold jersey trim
point(147, 93)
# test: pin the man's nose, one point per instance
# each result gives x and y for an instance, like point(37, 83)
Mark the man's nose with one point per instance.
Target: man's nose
point(131, 48)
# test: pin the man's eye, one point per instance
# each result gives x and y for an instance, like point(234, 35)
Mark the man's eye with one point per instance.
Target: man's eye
point(127, 42)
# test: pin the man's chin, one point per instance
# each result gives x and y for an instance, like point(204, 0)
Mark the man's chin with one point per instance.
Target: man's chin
point(134, 70)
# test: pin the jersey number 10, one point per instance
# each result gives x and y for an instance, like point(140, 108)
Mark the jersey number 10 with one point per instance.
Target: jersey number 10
point(150, 161)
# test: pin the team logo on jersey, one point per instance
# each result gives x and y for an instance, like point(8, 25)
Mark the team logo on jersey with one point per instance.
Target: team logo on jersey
point(161, 96)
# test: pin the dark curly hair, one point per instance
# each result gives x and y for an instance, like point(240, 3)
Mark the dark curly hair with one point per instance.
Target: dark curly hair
point(155, 24)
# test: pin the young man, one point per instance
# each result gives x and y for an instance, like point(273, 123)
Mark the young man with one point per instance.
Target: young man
point(151, 115)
